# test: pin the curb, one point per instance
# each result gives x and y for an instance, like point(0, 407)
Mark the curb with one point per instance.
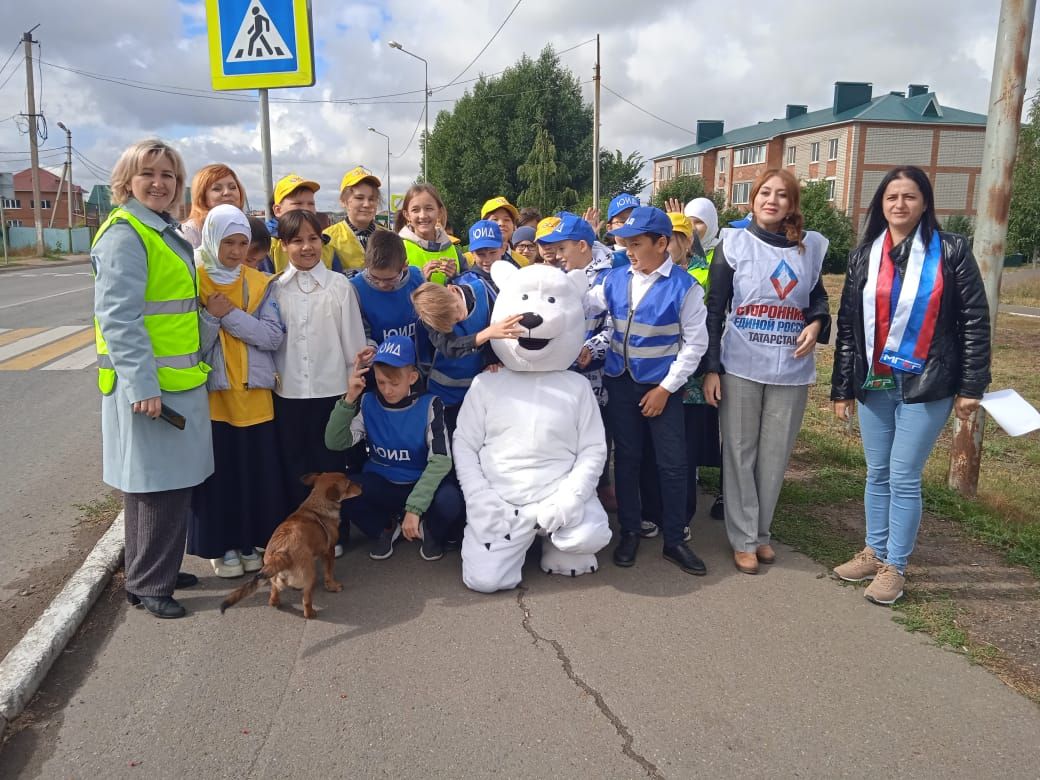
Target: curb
point(26, 666)
point(48, 264)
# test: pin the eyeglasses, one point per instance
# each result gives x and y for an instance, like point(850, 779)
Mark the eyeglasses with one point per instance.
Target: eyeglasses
point(526, 246)
point(381, 281)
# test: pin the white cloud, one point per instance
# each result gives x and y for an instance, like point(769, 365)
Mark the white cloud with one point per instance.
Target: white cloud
point(740, 61)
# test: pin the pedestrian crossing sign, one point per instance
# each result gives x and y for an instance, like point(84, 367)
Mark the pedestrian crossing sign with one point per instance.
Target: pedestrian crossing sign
point(260, 44)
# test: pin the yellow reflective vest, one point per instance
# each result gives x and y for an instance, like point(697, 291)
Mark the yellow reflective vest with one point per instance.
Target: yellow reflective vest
point(171, 314)
point(346, 245)
point(419, 257)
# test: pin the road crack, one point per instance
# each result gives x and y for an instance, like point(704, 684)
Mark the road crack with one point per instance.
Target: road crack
point(623, 731)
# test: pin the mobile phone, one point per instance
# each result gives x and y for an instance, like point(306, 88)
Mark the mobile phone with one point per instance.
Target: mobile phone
point(172, 417)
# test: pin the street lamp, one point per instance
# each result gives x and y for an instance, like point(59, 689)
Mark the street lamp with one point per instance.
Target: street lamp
point(389, 190)
point(426, 105)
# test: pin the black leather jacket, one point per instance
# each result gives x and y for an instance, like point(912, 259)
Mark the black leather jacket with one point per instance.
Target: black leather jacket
point(958, 359)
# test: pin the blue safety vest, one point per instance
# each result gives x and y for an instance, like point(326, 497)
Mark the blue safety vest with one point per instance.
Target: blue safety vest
point(646, 340)
point(481, 277)
point(397, 444)
point(593, 325)
point(621, 258)
point(390, 312)
point(451, 377)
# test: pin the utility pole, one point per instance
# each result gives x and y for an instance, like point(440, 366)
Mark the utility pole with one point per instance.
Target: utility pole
point(265, 151)
point(34, 154)
point(595, 130)
point(1007, 92)
point(68, 177)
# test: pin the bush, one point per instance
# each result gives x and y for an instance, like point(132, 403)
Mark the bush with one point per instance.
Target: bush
point(822, 217)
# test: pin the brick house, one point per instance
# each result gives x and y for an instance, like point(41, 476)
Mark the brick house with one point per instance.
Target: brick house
point(18, 211)
point(851, 145)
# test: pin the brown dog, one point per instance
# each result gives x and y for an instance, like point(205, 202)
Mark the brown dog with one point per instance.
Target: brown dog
point(308, 533)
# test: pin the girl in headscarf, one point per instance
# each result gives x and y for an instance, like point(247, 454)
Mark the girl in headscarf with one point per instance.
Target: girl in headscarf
point(237, 508)
point(705, 219)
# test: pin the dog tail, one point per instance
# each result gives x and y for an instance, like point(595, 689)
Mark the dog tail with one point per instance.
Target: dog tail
point(273, 564)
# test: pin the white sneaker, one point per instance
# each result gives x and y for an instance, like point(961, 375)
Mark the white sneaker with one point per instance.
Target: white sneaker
point(339, 551)
point(251, 561)
point(229, 567)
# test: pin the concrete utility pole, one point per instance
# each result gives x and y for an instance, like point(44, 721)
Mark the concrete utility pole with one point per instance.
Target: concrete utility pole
point(265, 152)
point(68, 178)
point(1007, 92)
point(34, 154)
point(595, 130)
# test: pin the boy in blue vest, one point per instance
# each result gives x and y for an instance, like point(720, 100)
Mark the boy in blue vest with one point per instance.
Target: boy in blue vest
point(458, 321)
point(659, 337)
point(485, 248)
point(617, 213)
point(403, 483)
point(384, 288)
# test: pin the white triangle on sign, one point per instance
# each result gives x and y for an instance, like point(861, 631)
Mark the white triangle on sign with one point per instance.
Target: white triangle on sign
point(258, 40)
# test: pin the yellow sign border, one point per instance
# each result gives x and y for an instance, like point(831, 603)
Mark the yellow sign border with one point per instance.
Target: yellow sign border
point(303, 76)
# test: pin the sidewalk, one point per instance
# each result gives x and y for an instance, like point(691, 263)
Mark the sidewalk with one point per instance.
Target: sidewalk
point(624, 673)
point(27, 263)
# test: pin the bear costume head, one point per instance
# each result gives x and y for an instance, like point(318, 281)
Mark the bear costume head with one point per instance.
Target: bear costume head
point(550, 301)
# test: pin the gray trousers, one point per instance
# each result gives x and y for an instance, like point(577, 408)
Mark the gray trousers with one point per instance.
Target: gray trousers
point(156, 528)
point(759, 425)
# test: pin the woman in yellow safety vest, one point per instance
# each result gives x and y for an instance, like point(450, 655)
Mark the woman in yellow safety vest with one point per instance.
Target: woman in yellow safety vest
point(147, 329)
point(420, 222)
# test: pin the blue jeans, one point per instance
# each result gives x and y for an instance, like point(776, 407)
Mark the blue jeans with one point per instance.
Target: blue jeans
point(667, 437)
point(897, 440)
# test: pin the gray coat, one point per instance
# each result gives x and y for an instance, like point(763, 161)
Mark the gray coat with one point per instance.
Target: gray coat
point(139, 454)
point(262, 333)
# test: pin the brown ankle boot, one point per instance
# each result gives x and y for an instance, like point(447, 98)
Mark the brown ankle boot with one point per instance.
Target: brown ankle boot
point(746, 562)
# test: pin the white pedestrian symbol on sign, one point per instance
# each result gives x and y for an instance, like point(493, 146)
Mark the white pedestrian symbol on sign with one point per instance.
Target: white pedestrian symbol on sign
point(258, 40)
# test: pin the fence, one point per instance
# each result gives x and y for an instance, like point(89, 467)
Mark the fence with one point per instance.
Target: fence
point(55, 239)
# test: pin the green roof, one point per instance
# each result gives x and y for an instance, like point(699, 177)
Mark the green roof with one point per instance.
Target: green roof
point(922, 109)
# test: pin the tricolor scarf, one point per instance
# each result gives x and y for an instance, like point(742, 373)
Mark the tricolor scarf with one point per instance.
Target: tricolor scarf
point(899, 316)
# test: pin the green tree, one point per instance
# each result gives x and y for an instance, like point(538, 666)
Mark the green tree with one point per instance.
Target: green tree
point(959, 223)
point(618, 173)
point(822, 217)
point(543, 177)
point(477, 149)
point(683, 188)
point(1024, 216)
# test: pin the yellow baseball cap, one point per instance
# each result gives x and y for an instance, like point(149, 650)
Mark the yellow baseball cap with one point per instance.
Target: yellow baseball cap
point(358, 175)
point(545, 227)
point(289, 184)
point(681, 223)
point(499, 203)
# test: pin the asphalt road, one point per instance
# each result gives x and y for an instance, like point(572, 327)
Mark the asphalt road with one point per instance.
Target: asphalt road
point(50, 423)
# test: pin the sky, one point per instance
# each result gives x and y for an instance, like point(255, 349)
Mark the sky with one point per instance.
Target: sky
point(740, 61)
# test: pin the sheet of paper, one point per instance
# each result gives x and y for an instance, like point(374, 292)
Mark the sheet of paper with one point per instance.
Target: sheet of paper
point(1011, 412)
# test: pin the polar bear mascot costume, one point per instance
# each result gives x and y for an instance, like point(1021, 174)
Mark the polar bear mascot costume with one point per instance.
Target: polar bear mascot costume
point(529, 447)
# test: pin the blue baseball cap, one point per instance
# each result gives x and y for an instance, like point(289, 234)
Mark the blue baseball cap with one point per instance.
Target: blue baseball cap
point(645, 219)
point(620, 203)
point(396, 351)
point(485, 234)
point(571, 228)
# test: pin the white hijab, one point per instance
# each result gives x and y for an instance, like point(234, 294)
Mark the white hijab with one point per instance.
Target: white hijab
point(704, 210)
point(222, 221)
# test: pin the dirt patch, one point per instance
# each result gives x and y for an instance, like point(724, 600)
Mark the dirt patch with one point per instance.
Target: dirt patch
point(995, 605)
point(35, 591)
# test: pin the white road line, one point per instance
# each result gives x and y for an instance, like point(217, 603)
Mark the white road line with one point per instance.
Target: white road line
point(81, 358)
point(37, 340)
point(1023, 314)
point(45, 297)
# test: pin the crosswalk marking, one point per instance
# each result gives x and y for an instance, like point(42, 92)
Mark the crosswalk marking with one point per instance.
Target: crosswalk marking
point(38, 339)
point(50, 351)
point(77, 360)
point(11, 336)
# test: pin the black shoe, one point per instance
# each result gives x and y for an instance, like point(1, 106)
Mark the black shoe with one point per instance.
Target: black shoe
point(383, 547)
point(627, 547)
point(185, 580)
point(686, 559)
point(718, 510)
point(160, 606)
point(430, 549)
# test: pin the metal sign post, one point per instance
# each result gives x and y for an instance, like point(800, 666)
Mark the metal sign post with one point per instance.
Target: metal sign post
point(261, 44)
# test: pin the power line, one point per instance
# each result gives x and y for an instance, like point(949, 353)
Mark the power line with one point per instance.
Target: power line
point(648, 113)
point(12, 73)
point(416, 130)
point(9, 56)
point(490, 40)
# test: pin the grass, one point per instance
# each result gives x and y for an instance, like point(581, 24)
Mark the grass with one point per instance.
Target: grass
point(938, 616)
point(101, 511)
point(1020, 289)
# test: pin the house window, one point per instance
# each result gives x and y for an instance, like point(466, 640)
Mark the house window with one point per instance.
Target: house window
point(750, 155)
point(830, 188)
point(690, 166)
point(11, 203)
point(722, 164)
point(791, 151)
point(741, 191)
point(814, 152)
point(44, 204)
point(14, 223)
point(832, 151)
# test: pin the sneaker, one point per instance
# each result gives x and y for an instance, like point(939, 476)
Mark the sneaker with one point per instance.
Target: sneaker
point(383, 547)
point(430, 549)
point(251, 561)
point(864, 566)
point(718, 509)
point(229, 566)
point(686, 535)
point(648, 530)
point(887, 587)
point(338, 551)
